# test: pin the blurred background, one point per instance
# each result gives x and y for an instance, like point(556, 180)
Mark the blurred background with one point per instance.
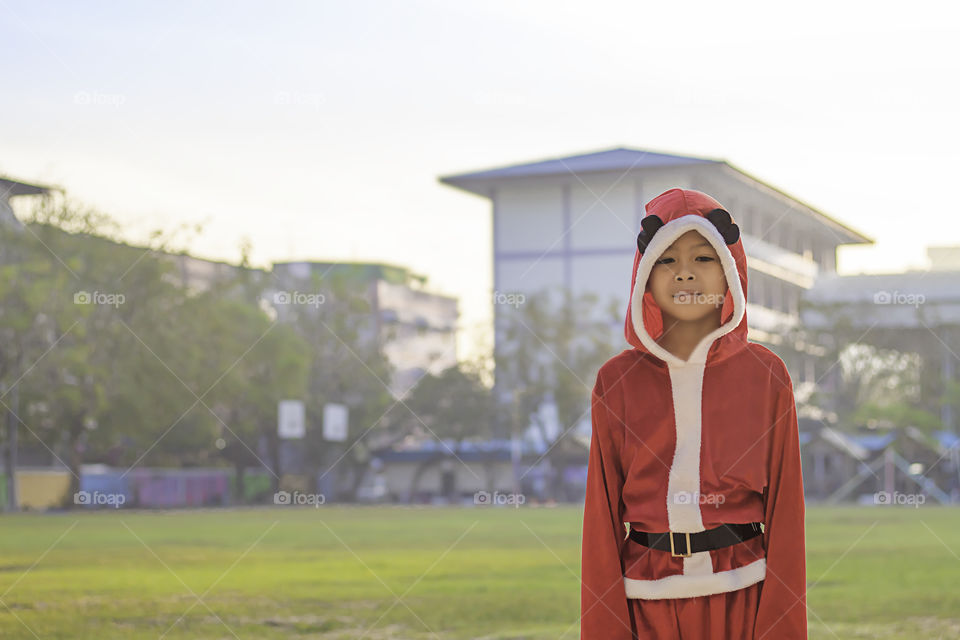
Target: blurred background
point(264, 258)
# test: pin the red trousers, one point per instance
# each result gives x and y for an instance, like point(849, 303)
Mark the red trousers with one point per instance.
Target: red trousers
point(721, 616)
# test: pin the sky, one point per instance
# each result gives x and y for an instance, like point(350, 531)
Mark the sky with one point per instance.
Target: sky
point(317, 130)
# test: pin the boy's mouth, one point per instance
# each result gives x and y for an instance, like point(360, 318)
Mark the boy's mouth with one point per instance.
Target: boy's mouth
point(685, 295)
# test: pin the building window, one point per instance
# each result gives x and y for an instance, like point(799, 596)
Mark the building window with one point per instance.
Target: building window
point(755, 223)
point(756, 283)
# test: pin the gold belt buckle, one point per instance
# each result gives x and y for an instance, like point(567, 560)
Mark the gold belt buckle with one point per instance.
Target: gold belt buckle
point(673, 551)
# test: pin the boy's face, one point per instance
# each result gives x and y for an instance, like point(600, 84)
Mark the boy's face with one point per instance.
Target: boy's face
point(689, 264)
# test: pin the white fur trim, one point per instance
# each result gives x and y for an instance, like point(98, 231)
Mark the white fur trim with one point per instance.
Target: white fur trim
point(662, 239)
point(698, 564)
point(683, 484)
point(699, 584)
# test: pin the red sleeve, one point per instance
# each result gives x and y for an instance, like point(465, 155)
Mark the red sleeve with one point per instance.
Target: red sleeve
point(604, 614)
point(782, 611)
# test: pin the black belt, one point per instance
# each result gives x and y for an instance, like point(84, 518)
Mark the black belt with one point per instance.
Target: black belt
point(722, 536)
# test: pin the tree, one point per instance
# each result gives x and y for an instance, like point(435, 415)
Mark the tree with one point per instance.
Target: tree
point(550, 346)
point(452, 405)
point(68, 317)
point(271, 363)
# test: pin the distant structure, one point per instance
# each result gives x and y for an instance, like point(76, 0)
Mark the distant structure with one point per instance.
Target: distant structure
point(912, 312)
point(10, 188)
point(199, 274)
point(944, 258)
point(418, 329)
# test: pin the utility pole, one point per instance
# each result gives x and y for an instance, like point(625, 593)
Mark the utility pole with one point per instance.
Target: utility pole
point(10, 451)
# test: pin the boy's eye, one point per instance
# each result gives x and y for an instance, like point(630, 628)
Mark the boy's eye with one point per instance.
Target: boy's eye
point(666, 260)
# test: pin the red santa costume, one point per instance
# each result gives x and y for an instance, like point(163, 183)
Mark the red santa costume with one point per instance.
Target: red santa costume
point(687, 446)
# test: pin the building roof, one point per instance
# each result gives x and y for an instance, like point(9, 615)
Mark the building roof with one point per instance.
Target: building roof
point(852, 235)
point(361, 271)
point(910, 300)
point(487, 450)
point(859, 446)
point(862, 445)
point(625, 159)
point(618, 159)
point(947, 439)
point(10, 188)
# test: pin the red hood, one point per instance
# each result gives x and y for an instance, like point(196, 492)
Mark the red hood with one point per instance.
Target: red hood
point(682, 210)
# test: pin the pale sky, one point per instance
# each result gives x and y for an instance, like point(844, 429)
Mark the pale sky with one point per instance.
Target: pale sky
point(318, 129)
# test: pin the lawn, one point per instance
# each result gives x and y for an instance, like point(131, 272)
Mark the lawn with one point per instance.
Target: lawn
point(394, 572)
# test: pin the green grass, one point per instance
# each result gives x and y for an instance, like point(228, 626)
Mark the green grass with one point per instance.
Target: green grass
point(336, 572)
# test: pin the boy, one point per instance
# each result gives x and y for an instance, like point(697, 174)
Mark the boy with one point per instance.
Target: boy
point(695, 445)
